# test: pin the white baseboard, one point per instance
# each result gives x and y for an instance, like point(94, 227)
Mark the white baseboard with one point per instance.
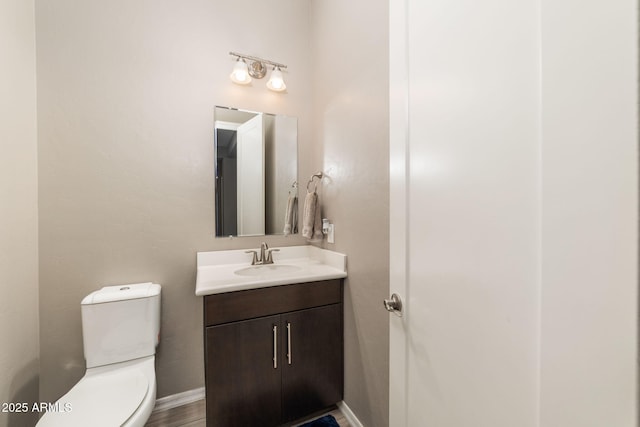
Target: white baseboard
point(179, 399)
point(348, 414)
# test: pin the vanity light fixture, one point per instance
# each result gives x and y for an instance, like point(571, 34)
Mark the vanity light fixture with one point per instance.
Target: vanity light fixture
point(240, 73)
point(243, 72)
point(276, 82)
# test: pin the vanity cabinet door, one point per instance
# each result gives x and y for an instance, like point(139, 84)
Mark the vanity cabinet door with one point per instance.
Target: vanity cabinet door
point(313, 360)
point(243, 381)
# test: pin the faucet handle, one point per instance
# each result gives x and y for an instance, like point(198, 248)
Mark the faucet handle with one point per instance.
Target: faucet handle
point(269, 254)
point(254, 259)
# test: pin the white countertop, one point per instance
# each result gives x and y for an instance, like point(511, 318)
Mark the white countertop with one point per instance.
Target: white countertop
point(217, 270)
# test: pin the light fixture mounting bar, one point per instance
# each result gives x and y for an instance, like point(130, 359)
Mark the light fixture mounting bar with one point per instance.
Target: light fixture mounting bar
point(255, 58)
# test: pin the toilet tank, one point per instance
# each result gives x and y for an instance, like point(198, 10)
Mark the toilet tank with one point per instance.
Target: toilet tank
point(120, 323)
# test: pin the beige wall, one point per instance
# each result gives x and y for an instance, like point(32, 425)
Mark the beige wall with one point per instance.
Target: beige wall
point(351, 107)
point(126, 98)
point(18, 210)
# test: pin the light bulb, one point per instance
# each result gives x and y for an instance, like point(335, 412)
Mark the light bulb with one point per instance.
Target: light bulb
point(276, 82)
point(240, 73)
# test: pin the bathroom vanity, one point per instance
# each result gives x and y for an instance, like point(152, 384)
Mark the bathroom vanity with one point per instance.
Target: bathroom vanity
point(273, 337)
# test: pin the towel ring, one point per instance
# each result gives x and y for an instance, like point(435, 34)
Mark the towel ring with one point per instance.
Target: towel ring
point(318, 175)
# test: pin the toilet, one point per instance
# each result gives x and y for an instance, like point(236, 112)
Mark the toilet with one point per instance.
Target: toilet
point(120, 331)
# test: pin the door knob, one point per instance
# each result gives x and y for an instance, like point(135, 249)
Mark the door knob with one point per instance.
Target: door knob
point(394, 305)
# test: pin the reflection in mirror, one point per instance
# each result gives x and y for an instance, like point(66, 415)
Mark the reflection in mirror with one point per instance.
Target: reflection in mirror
point(256, 171)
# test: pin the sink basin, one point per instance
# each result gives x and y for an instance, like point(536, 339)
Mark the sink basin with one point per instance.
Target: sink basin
point(268, 270)
point(231, 270)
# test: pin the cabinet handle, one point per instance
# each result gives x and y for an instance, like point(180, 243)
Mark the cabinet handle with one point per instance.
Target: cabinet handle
point(275, 347)
point(289, 342)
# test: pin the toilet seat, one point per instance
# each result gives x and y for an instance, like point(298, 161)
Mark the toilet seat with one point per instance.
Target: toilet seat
point(105, 398)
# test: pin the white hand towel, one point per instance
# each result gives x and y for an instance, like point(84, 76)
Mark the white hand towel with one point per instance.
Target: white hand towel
point(308, 215)
point(294, 216)
point(291, 215)
point(287, 217)
point(317, 223)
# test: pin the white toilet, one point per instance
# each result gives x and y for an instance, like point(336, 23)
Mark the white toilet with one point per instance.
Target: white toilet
point(120, 329)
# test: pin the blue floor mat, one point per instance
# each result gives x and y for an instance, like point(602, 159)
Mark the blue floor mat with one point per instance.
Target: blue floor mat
point(326, 421)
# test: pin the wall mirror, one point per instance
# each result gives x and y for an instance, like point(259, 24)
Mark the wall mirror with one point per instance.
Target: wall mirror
point(256, 170)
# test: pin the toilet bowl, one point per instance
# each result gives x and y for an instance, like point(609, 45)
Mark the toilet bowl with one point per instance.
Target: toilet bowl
point(122, 394)
point(120, 327)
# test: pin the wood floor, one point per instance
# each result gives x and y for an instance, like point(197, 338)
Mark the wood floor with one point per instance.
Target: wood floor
point(193, 415)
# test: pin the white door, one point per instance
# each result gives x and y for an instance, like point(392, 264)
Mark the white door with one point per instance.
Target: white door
point(514, 194)
point(251, 177)
point(464, 213)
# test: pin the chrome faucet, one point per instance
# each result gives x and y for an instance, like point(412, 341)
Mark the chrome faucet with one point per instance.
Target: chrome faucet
point(264, 250)
point(265, 256)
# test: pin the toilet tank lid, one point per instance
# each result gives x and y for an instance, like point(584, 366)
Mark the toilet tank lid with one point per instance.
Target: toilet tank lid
point(122, 292)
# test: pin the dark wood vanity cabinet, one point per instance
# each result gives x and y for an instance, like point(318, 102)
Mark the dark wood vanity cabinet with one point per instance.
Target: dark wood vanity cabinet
point(241, 387)
point(312, 369)
point(273, 355)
